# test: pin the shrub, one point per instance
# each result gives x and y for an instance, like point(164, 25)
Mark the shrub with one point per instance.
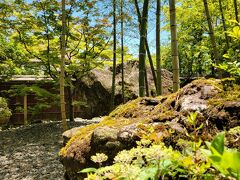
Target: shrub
point(5, 112)
point(156, 161)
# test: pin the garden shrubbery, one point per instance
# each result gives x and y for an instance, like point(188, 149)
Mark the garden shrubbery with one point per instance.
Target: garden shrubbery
point(5, 112)
point(154, 161)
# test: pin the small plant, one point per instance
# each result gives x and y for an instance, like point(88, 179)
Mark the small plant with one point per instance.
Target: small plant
point(148, 134)
point(99, 158)
point(192, 119)
point(227, 161)
point(150, 161)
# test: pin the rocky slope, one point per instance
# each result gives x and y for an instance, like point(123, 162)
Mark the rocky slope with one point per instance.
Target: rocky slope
point(163, 118)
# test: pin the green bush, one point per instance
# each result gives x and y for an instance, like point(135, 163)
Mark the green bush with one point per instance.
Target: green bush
point(5, 112)
point(149, 161)
point(231, 62)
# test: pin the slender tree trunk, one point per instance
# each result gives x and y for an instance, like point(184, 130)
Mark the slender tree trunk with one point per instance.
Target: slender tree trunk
point(236, 10)
point(147, 47)
point(62, 76)
point(70, 101)
point(158, 51)
point(114, 55)
point(146, 83)
point(174, 45)
point(122, 51)
point(224, 24)
point(151, 64)
point(142, 47)
point(211, 33)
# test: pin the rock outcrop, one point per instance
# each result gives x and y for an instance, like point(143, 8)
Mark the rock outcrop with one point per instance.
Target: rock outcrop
point(162, 118)
point(95, 88)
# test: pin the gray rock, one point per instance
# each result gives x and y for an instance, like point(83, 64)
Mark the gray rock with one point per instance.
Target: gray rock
point(193, 103)
point(69, 133)
point(95, 88)
point(104, 134)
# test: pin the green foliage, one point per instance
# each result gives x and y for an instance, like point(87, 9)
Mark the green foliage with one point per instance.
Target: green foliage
point(31, 30)
point(156, 161)
point(12, 58)
point(227, 161)
point(235, 33)
point(152, 161)
point(231, 64)
point(4, 110)
point(192, 119)
point(195, 51)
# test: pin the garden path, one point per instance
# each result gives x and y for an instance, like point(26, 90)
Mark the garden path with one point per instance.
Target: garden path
point(31, 152)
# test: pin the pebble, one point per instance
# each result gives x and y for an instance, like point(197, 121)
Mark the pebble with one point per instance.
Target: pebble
point(31, 152)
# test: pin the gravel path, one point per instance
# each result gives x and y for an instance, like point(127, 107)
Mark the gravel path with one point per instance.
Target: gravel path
point(31, 152)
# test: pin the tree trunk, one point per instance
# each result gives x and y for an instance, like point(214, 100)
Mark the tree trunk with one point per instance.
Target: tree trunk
point(158, 51)
point(147, 47)
point(236, 10)
point(224, 24)
point(70, 101)
point(142, 47)
point(211, 33)
point(122, 52)
point(174, 45)
point(151, 64)
point(114, 55)
point(63, 52)
point(146, 83)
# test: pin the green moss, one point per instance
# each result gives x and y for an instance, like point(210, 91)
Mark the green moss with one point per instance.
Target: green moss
point(234, 131)
point(86, 132)
point(159, 109)
point(233, 136)
point(168, 115)
point(230, 94)
point(170, 99)
point(213, 82)
point(83, 133)
point(125, 109)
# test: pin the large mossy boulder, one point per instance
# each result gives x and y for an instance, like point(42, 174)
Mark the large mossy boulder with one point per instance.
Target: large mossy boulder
point(94, 89)
point(163, 118)
point(5, 112)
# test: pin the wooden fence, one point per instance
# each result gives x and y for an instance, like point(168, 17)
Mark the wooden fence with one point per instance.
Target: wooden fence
point(21, 105)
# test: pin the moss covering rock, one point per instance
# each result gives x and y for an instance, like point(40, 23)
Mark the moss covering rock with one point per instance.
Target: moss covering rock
point(163, 118)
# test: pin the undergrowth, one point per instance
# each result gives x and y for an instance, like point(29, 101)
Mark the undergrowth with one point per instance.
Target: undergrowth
point(152, 159)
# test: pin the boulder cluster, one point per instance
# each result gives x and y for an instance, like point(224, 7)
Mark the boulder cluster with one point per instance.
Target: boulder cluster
point(164, 118)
